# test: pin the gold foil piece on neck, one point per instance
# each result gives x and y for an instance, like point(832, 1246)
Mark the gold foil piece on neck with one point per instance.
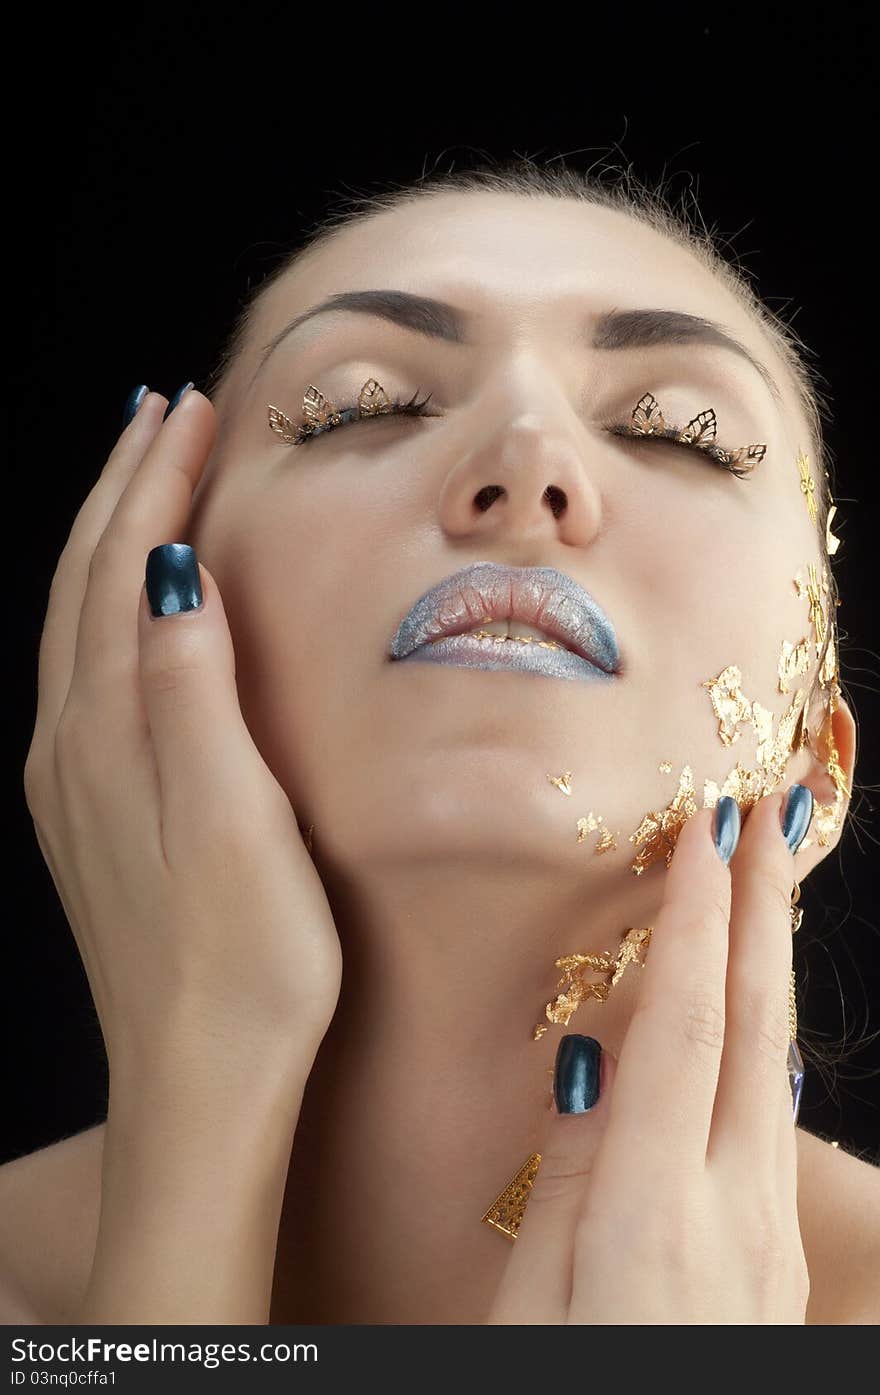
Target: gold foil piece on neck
point(590, 824)
point(606, 843)
point(576, 988)
point(831, 542)
point(562, 782)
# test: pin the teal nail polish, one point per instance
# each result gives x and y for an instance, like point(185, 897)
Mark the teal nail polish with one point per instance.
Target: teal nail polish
point(175, 399)
point(576, 1075)
point(133, 402)
point(173, 580)
point(726, 827)
point(797, 816)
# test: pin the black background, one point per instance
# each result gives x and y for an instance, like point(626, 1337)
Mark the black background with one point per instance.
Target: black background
point(168, 157)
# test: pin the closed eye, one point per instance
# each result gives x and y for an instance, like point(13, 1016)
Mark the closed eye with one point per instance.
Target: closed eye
point(724, 458)
point(350, 415)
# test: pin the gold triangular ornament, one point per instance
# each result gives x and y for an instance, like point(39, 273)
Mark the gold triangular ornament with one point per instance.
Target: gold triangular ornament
point(509, 1207)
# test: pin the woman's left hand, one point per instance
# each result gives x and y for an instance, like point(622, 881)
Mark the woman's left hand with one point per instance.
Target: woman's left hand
point(674, 1199)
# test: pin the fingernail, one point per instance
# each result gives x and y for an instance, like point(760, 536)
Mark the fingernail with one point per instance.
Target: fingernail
point(726, 827)
point(173, 580)
point(175, 399)
point(133, 402)
point(797, 816)
point(576, 1077)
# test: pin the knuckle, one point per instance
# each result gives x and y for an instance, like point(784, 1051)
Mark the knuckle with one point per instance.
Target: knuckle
point(774, 899)
point(771, 1030)
point(765, 1236)
point(703, 1018)
point(800, 1280)
point(174, 660)
point(35, 780)
point(74, 746)
point(70, 736)
point(107, 555)
point(559, 1175)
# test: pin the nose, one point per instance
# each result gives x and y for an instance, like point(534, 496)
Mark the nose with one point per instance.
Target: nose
point(525, 477)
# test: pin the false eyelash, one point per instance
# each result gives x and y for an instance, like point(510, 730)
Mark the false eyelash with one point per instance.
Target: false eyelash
point(723, 457)
point(390, 408)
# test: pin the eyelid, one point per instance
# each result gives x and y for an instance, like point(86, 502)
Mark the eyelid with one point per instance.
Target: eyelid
point(738, 462)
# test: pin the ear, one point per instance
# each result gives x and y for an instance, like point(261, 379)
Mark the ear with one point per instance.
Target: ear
point(836, 735)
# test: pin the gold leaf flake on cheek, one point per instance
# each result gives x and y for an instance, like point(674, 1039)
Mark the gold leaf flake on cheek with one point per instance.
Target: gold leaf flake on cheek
point(591, 822)
point(812, 590)
point(664, 767)
point(762, 721)
point(731, 706)
point(793, 659)
point(657, 834)
point(808, 487)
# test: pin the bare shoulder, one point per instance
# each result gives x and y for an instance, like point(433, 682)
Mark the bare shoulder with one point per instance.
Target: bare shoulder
point(839, 1211)
point(49, 1207)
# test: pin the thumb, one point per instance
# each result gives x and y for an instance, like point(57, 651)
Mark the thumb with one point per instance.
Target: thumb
point(209, 768)
point(537, 1283)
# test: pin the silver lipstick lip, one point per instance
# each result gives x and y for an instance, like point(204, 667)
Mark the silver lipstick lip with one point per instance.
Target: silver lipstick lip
point(558, 602)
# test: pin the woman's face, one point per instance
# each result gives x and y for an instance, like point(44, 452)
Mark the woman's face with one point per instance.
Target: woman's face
point(321, 549)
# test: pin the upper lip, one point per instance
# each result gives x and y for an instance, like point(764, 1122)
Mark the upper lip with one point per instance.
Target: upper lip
point(541, 596)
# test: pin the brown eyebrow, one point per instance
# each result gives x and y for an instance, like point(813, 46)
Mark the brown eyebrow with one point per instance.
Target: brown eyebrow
point(615, 329)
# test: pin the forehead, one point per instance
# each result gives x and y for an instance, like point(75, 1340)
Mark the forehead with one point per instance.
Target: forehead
point(507, 258)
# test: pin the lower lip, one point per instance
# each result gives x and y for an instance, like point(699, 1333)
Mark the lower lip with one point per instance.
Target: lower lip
point(466, 651)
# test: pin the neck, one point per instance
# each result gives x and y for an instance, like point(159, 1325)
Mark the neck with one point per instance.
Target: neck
point(429, 1090)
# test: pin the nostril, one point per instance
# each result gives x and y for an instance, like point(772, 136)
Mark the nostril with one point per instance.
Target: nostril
point(487, 496)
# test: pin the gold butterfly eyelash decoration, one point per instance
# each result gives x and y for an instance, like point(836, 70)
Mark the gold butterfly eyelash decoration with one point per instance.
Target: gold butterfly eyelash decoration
point(647, 420)
point(319, 413)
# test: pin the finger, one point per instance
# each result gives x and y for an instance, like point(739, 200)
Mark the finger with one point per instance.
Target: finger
point(745, 1125)
point(210, 771)
point(537, 1282)
point(670, 1059)
point(58, 640)
point(154, 506)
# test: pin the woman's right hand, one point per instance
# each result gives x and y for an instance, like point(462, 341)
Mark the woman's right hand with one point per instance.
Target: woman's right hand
point(177, 856)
